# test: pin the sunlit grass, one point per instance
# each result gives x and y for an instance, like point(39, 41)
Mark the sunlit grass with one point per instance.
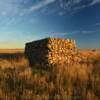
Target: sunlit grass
point(80, 81)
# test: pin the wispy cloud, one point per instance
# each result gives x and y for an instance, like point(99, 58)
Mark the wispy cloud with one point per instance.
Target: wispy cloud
point(19, 8)
point(61, 7)
point(76, 5)
point(94, 2)
point(85, 32)
point(41, 4)
point(90, 3)
point(98, 24)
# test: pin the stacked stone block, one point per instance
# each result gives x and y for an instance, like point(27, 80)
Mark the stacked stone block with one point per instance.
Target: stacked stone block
point(51, 51)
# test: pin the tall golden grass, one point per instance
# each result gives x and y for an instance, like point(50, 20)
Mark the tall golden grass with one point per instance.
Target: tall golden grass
point(78, 81)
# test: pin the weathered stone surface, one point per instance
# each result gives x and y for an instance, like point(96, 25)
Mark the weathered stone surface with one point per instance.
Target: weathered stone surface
point(50, 51)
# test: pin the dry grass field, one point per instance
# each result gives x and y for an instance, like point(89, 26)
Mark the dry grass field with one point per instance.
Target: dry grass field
point(78, 81)
point(11, 50)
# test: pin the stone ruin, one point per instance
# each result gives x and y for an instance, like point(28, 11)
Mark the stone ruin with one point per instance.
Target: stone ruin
point(50, 51)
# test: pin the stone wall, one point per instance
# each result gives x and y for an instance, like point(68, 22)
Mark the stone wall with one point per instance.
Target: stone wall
point(51, 51)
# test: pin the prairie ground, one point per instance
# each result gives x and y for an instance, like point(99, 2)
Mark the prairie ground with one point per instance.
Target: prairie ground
point(11, 51)
point(78, 81)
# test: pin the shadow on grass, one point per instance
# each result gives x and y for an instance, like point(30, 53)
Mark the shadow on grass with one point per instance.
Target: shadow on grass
point(11, 55)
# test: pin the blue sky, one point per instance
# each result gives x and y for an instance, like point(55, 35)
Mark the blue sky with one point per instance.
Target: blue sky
point(22, 21)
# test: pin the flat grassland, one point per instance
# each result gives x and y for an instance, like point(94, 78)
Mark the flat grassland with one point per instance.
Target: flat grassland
point(78, 81)
point(11, 51)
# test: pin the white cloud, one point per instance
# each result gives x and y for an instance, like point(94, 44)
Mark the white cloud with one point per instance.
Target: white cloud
point(77, 1)
point(74, 5)
point(83, 32)
point(41, 5)
point(3, 13)
point(10, 6)
point(10, 10)
point(20, 8)
point(94, 2)
point(87, 32)
point(61, 13)
point(98, 24)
